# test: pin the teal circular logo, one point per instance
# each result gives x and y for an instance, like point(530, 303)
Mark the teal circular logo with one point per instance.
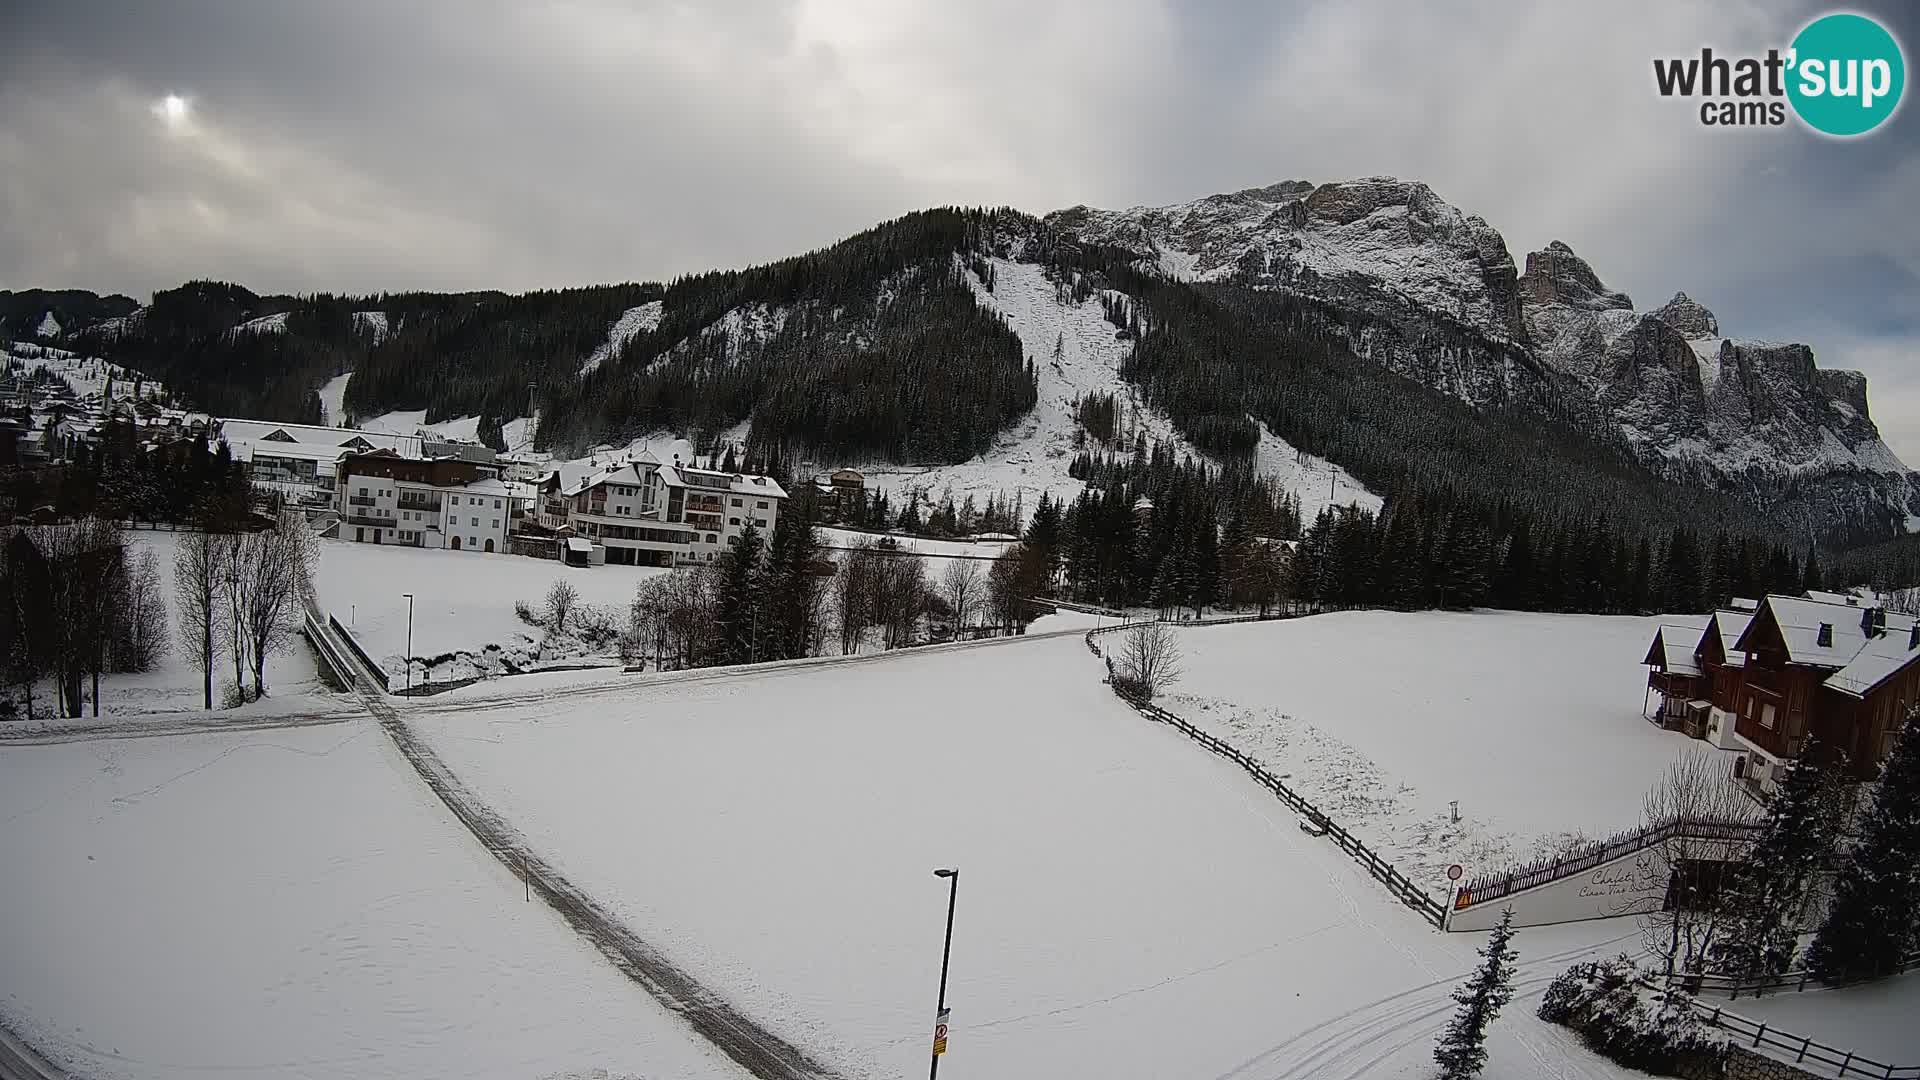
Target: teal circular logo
point(1846, 74)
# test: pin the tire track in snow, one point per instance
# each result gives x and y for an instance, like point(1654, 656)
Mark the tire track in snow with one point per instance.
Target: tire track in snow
point(753, 1047)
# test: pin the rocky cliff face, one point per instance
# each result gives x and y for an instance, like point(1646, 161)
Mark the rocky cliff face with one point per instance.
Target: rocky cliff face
point(1443, 304)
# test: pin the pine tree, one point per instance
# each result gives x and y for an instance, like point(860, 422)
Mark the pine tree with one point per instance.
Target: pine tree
point(1870, 925)
point(1768, 890)
point(735, 608)
point(1463, 1046)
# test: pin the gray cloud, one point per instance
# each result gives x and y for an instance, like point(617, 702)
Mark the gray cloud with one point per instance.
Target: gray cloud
point(363, 145)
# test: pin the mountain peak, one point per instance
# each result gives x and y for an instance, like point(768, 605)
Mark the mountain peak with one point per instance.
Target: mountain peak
point(1555, 275)
point(1688, 316)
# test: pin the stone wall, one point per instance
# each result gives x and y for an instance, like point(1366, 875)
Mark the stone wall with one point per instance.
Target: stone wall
point(1745, 1064)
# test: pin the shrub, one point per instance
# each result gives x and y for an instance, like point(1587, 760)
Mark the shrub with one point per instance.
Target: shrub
point(1622, 1020)
point(525, 612)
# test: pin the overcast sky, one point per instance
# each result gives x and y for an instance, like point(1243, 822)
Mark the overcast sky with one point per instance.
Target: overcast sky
point(368, 145)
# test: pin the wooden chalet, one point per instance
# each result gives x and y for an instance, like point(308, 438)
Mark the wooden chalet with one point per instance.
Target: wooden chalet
point(1765, 681)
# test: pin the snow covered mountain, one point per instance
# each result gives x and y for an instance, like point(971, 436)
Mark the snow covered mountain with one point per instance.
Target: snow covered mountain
point(1444, 305)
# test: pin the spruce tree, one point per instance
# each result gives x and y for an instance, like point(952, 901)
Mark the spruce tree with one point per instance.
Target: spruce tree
point(1876, 901)
point(1463, 1046)
point(1768, 889)
point(735, 606)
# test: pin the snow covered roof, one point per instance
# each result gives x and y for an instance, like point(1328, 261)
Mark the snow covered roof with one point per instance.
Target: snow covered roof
point(1830, 597)
point(241, 434)
point(1800, 620)
point(1729, 625)
point(1673, 646)
point(1741, 603)
point(1880, 659)
point(580, 544)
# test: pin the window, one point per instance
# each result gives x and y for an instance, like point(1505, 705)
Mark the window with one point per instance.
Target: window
point(496, 523)
point(733, 521)
point(363, 491)
point(760, 523)
point(454, 499)
point(1766, 717)
point(476, 523)
point(711, 539)
point(496, 504)
point(736, 502)
point(762, 504)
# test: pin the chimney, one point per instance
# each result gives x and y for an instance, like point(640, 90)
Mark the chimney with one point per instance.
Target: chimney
point(1873, 622)
point(1825, 638)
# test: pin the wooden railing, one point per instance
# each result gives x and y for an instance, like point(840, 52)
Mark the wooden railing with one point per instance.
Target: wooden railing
point(1794, 981)
point(1803, 1050)
point(1490, 887)
point(1397, 884)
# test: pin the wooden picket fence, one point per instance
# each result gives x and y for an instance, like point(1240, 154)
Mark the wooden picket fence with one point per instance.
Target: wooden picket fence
point(1494, 886)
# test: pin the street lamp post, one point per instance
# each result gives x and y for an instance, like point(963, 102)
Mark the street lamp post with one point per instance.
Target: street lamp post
point(952, 874)
point(409, 657)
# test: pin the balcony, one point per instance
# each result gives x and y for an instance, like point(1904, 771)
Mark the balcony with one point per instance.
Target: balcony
point(432, 505)
point(369, 519)
point(360, 500)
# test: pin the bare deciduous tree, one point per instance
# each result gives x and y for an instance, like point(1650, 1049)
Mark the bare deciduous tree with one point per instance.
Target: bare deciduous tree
point(562, 598)
point(853, 586)
point(197, 576)
point(962, 585)
point(1149, 658)
point(278, 571)
point(1685, 924)
point(142, 640)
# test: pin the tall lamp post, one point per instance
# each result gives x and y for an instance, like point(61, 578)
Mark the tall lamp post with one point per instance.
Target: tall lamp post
point(952, 874)
point(409, 657)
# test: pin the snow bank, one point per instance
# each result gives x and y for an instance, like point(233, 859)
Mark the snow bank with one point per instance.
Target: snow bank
point(1319, 482)
point(290, 904)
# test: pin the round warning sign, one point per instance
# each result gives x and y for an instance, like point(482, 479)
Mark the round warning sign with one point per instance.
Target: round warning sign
point(1454, 872)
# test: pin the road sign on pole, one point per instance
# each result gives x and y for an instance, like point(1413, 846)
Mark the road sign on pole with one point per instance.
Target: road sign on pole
point(940, 1033)
point(1454, 872)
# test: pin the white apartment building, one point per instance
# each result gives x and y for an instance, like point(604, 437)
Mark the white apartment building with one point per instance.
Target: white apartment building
point(299, 460)
point(651, 514)
point(412, 502)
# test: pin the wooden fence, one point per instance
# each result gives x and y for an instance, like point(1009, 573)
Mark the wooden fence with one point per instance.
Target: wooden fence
point(1490, 887)
point(1794, 981)
point(1803, 1050)
point(1405, 891)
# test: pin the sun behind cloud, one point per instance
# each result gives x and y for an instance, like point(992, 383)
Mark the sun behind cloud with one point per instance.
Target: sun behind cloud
point(173, 110)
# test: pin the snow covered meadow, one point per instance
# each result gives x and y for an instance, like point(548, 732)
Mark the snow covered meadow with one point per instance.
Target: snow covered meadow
point(1382, 719)
point(463, 601)
point(292, 903)
point(1129, 905)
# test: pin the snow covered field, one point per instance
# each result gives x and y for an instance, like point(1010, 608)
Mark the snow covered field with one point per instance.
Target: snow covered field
point(1130, 906)
point(463, 600)
point(290, 904)
point(1531, 721)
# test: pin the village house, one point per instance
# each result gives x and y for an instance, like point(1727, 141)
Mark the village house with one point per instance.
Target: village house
point(1833, 667)
point(298, 460)
point(384, 498)
point(646, 513)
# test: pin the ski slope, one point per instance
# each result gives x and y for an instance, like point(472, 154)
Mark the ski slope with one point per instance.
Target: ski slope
point(290, 904)
point(1531, 722)
point(333, 397)
point(1129, 905)
point(1076, 354)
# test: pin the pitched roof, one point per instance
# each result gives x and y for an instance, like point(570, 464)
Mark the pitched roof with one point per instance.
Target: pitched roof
point(1881, 659)
point(1727, 626)
point(1673, 647)
point(1799, 621)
